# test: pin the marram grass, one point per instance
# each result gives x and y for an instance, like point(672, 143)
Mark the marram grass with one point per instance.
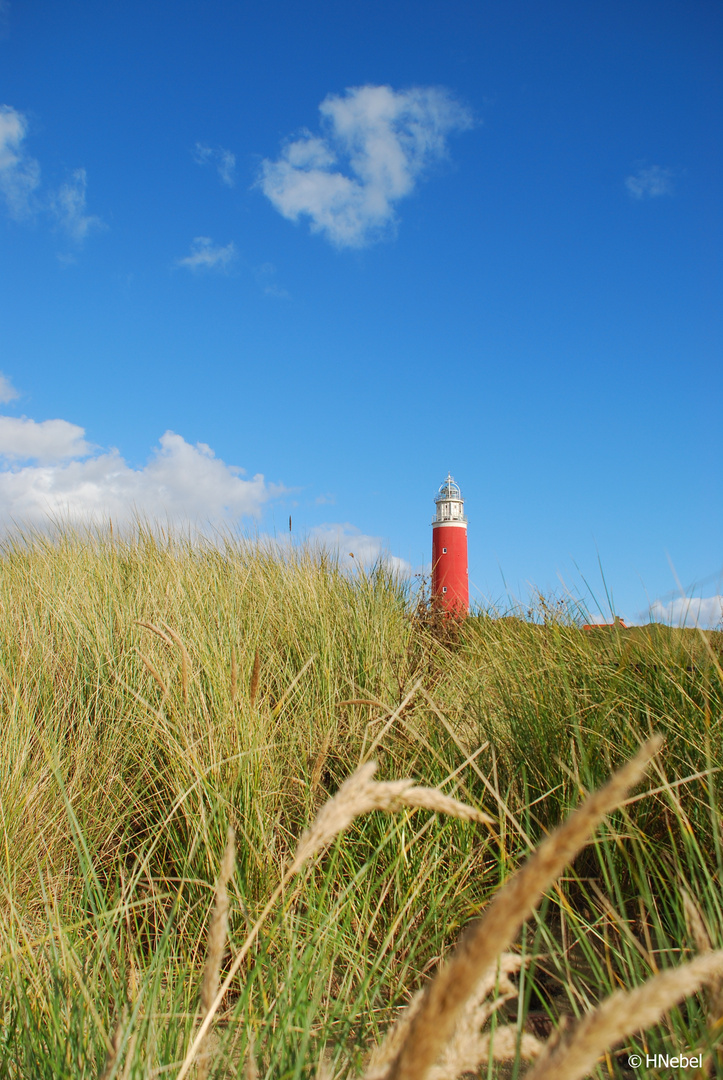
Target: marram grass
point(156, 694)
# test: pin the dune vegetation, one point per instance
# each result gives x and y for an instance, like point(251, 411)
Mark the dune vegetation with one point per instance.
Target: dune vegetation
point(203, 875)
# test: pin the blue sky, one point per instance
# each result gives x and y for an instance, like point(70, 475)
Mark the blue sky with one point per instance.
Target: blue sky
point(271, 258)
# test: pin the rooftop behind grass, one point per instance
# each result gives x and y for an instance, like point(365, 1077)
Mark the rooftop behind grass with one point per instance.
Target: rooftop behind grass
point(154, 692)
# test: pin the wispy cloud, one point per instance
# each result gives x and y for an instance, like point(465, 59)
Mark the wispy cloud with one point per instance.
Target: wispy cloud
point(704, 611)
point(7, 390)
point(223, 160)
point(50, 471)
point(68, 206)
point(650, 183)
point(19, 172)
point(355, 547)
point(265, 275)
point(20, 183)
point(205, 255)
point(375, 145)
point(272, 289)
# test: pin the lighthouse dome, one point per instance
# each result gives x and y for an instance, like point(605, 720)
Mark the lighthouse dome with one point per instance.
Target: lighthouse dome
point(449, 502)
point(449, 490)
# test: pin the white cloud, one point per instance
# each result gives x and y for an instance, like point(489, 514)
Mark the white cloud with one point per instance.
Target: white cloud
point(181, 484)
point(353, 546)
point(689, 611)
point(376, 143)
point(68, 206)
point(224, 161)
point(19, 173)
point(47, 441)
point(650, 183)
point(7, 390)
point(205, 256)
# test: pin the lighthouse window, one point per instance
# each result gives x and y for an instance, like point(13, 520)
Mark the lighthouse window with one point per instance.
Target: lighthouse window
point(444, 551)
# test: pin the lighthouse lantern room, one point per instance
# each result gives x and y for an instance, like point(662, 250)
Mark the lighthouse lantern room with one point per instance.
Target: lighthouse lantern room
point(450, 575)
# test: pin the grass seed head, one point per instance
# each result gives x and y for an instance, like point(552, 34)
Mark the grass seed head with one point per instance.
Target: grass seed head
point(254, 687)
point(622, 1014)
point(216, 943)
point(359, 794)
point(447, 994)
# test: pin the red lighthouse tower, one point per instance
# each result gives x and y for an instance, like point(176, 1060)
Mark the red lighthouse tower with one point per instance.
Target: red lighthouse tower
point(450, 576)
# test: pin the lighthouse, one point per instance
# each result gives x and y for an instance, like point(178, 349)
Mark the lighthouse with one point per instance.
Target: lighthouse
point(450, 576)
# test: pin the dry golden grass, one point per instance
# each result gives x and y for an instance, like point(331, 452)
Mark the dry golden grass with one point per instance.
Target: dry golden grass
point(358, 795)
point(255, 674)
point(448, 993)
point(440, 1035)
point(469, 1047)
point(113, 1053)
point(127, 747)
point(217, 932)
point(623, 1014)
